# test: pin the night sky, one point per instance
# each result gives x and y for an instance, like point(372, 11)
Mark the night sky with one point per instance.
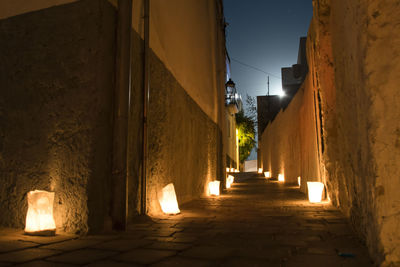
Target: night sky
point(264, 34)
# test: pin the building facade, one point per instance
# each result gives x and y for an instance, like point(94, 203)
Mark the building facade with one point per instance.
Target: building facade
point(106, 102)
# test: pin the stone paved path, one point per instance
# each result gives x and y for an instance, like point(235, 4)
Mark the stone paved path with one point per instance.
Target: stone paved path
point(255, 223)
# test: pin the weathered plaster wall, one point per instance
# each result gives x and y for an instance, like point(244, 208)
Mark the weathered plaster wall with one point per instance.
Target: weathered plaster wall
point(277, 148)
point(179, 27)
point(363, 144)
point(382, 68)
point(183, 140)
point(289, 143)
point(57, 77)
point(350, 100)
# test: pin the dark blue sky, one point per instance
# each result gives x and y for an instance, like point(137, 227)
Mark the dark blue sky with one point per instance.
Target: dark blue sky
point(264, 34)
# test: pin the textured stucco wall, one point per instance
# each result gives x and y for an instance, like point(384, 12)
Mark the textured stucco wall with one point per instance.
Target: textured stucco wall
point(349, 127)
point(57, 78)
point(186, 112)
point(179, 27)
point(363, 144)
point(289, 143)
point(183, 140)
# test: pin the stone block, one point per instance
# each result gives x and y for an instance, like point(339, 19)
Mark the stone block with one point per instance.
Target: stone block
point(82, 256)
point(123, 245)
point(72, 244)
point(27, 255)
point(144, 256)
point(209, 252)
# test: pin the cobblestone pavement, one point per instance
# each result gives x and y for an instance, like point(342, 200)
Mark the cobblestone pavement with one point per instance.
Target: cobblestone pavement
point(255, 223)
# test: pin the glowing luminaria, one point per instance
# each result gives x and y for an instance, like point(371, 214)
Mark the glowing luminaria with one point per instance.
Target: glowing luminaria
point(229, 181)
point(299, 181)
point(213, 188)
point(168, 202)
point(39, 218)
point(260, 170)
point(281, 177)
point(315, 191)
point(267, 174)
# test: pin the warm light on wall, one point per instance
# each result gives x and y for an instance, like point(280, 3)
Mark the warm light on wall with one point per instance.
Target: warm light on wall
point(168, 201)
point(213, 188)
point(229, 181)
point(267, 174)
point(281, 177)
point(299, 181)
point(260, 170)
point(315, 191)
point(39, 218)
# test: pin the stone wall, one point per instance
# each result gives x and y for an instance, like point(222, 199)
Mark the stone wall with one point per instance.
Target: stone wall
point(289, 143)
point(56, 112)
point(186, 108)
point(183, 140)
point(57, 79)
point(353, 54)
point(363, 166)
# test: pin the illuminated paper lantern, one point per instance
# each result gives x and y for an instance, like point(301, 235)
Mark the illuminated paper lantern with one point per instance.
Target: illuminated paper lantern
point(299, 181)
point(227, 169)
point(213, 188)
point(281, 177)
point(39, 218)
point(229, 181)
point(315, 191)
point(168, 202)
point(232, 169)
point(260, 170)
point(267, 174)
point(237, 171)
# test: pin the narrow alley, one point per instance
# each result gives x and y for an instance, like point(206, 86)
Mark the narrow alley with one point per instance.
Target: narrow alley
point(258, 222)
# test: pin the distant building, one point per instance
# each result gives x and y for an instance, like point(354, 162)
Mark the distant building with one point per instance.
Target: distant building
point(268, 106)
point(293, 77)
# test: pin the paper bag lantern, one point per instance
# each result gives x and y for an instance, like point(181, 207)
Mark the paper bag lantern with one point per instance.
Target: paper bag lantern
point(229, 181)
point(168, 201)
point(281, 177)
point(315, 191)
point(260, 170)
point(213, 188)
point(299, 181)
point(267, 174)
point(39, 218)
